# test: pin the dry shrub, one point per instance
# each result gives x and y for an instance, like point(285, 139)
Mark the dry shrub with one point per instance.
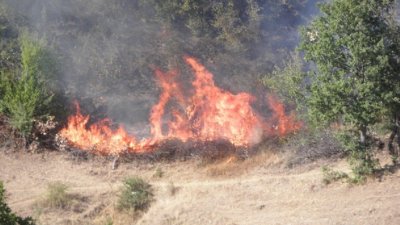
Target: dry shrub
point(10, 139)
point(57, 196)
point(306, 147)
point(173, 150)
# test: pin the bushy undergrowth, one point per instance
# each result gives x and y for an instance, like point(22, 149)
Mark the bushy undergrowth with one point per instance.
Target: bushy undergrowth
point(26, 95)
point(135, 194)
point(310, 145)
point(359, 155)
point(7, 217)
point(330, 175)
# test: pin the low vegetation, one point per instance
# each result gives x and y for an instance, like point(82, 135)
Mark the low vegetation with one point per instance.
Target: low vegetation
point(330, 175)
point(349, 82)
point(135, 194)
point(57, 196)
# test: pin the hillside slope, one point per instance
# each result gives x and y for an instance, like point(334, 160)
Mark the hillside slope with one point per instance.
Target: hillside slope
point(257, 191)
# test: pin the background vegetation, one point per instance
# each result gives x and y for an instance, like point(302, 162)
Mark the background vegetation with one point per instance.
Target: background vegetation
point(103, 54)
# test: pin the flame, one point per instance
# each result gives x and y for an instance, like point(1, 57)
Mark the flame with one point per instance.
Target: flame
point(282, 123)
point(99, 137)
point(208, 113)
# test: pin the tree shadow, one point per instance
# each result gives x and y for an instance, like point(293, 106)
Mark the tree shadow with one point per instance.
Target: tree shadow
point(386, 170)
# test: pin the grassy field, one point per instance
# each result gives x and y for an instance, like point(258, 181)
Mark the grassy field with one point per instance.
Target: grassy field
point(259, 190)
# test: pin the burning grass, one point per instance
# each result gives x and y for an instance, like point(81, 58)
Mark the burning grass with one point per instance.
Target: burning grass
point(206, 121)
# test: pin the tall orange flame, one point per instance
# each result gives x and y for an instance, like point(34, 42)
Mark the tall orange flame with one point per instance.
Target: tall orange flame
point(209, 113)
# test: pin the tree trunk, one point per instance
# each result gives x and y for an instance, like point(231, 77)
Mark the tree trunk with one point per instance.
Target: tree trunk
point(395, 131)
point(363, 135)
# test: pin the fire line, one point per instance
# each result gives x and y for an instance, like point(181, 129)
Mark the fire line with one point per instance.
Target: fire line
point(209, 113)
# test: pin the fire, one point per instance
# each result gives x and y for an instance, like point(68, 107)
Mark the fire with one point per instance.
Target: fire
point(208, 113)
point(283, 124)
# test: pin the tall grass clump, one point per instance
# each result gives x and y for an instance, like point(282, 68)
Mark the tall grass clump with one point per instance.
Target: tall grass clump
point(57, 196)
point(26, 92)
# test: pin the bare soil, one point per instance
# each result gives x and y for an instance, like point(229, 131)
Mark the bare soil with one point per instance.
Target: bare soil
point(260, 190)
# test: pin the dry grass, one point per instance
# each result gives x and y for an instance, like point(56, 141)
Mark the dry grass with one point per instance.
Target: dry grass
point(234, 166)
point(172, 189)
point(265, 190)
point(58, 197)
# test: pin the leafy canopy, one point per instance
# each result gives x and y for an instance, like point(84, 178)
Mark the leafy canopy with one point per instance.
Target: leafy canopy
point(26, 91)
point(355, 47)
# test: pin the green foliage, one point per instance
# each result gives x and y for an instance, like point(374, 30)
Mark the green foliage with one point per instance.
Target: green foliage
point(355, 49)
point(7, 217)
point(354, 46)
point(330, 176)
point(135, 194)
point(288, 82)
point(19, 102)
point(107, 49)
point(359, 155)
point(57, 196)
point(26, 92)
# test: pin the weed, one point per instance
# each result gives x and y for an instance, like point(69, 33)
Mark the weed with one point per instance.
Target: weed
point(57, 196)
point(330, 176)
point(135, 194)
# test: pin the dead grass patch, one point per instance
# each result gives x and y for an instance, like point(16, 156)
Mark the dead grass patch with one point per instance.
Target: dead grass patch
point(57, 196)
point(234, 165)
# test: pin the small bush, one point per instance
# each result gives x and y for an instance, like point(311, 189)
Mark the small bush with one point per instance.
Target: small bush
point(135, 194)
point(330, 176)
point(360, 156)
point(7, 217)
point(57, 196)
point(27, 91)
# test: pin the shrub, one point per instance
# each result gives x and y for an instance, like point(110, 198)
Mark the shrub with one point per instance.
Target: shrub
point(57, 196)
point(7, 217)
point(359, 155)
point(135, 194)
point(330, 175)
point(26, 91)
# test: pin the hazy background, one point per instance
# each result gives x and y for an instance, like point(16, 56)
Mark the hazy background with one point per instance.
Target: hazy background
point(107, 49)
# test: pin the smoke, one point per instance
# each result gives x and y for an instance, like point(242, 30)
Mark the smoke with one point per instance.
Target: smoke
point(108, 50)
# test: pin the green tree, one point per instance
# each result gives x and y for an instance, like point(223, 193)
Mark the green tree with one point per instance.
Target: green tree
point(288, 82)
point(355, 48)
point(27, 91)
